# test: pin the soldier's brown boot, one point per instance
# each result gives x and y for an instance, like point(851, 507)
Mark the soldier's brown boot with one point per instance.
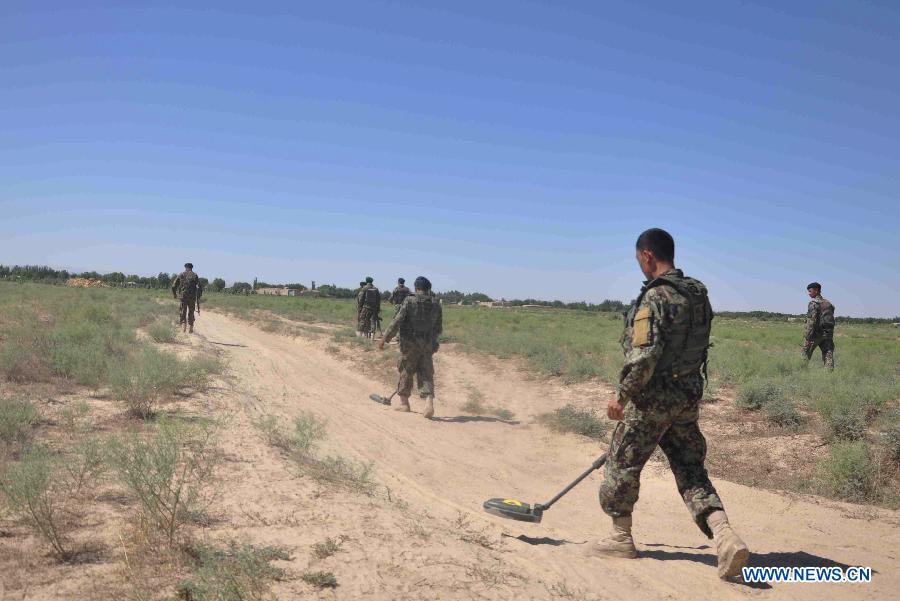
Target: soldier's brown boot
point(429, 407)
point(184, 327)
point(733, 553)
point(191, 329)
point(403, 405)
point(619, 543)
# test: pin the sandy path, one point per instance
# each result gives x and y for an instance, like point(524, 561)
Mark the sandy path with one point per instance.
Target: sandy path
point(445, 468)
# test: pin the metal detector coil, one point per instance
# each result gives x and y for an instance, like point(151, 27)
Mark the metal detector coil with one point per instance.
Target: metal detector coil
point(513, 509)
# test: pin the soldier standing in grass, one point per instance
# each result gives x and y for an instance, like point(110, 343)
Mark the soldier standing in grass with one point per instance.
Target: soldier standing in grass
point(186, 288)
point(368, 304)
point(359, 328)
point(419, 323)
point(819, 326)
point(399, 294)
point(665, 341)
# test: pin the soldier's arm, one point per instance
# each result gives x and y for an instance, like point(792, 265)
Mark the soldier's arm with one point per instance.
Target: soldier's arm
point(395, 323)
point(647, 345)
point(812, 319)
point(438, 323)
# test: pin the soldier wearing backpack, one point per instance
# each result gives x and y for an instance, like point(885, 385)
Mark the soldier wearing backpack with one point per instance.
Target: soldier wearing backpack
point(819, 326)
point(419, 323)
point(665, 340)
point(368, 305)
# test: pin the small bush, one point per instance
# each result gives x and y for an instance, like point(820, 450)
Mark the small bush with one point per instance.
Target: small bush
point(849, 472)
point(890, 438)
point(18, 418)
point(758, 393)
point(504, 414)
point(170, 474)
point(846, 422)
point(162, 331)
point(475, 403)
point(783, 412)
point(30, 488)
point(144, 379)
point(353, 475)
point(326, 548)
point(237, 573)
point(573, 419)
point(320, 579)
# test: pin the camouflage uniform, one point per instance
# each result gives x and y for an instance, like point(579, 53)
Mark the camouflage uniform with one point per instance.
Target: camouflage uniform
point(187, 287)
point(368, 306)
point(665, 340)
point(820, 330)
point(419, 323)
point(398, 296)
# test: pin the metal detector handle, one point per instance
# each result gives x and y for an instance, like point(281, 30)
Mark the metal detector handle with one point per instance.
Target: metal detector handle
point(594, 466)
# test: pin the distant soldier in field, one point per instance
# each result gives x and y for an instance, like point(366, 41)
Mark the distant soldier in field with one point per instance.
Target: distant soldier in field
point(665, 341)
point(399, 294)
point(819, 326)
point(359, 309)
point(419, 323)
point(368, 304)
point(187, 289)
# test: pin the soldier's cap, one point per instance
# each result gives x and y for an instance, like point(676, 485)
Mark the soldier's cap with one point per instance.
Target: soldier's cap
point(189, 265)
point(401, 281)
point(362, 283)
point(815, 285)
point(369, 280)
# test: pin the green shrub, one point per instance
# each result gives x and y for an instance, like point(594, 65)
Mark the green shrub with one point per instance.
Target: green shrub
point(783, 412)
point(758, 393)
point(573, 419)
point(326, 548)
point(32, 490)
point(238, 573)
point(170, 473)
point(18, 418)
point(319, 579)
point(849, 472)
point(161, 331)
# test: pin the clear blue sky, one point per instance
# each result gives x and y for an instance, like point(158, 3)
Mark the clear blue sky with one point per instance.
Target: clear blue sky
point(516, 148)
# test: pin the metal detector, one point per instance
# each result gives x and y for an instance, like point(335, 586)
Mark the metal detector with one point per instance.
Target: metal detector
point(517, 510)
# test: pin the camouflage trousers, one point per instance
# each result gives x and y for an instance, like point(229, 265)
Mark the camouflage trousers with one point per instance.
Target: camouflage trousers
point(367, 320)
point(415, 362)
point(186, 312)
point(826, 345)
point(673, 426)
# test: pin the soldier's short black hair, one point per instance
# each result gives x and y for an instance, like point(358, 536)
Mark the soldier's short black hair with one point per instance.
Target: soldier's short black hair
point(362, 284)
point(401, 281)
point(188, 265)
point(422, 284)
point(369, 280)
point(815, 285)
point(659, 242)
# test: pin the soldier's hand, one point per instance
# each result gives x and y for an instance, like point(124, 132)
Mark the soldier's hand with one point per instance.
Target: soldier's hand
point(614, 410)
point(381, 344)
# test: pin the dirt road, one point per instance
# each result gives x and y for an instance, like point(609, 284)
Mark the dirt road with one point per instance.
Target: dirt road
point(427, 538)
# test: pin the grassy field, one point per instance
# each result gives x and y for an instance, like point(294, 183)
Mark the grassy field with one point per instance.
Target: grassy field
point(756, 363)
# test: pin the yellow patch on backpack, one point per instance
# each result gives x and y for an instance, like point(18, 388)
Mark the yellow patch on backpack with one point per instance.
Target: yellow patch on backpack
point(640, 333)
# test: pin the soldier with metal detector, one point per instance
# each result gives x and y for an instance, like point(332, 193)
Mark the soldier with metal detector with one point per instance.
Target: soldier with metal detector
point(419, 323)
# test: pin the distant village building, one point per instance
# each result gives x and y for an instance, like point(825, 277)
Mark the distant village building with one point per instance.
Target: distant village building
point(277, 291)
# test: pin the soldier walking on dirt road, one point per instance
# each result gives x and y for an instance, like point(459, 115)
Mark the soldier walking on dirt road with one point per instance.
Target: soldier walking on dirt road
point(187, 289)
point(665, 341)
point(419, 323)
point(368, 306)
point(819, 326)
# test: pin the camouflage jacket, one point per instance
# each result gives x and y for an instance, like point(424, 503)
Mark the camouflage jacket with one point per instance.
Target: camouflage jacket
point(645, 341)
point(399, 295)
point(420, 321)
point(819, 318)
point(187, 286)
